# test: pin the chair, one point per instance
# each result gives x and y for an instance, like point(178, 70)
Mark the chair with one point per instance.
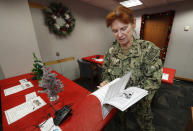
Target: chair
point(99, 75)
point(189, 126)
point(87, 71)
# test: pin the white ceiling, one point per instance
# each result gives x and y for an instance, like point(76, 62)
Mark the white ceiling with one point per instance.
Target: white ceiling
point(111, 4)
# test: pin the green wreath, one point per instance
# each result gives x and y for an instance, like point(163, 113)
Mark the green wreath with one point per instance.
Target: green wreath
point(59, 19)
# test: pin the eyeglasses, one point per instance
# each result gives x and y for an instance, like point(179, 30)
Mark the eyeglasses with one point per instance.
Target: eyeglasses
point(122, 29)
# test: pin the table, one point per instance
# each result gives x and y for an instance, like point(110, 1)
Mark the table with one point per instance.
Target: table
point(97, 59)
point(86, 108)
point(166, 71)
point(171, 75)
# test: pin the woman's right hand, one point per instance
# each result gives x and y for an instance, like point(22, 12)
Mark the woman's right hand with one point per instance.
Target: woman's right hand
point(103, 83)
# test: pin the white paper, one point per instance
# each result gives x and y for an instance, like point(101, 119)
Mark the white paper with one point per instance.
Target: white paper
point(165, 76)
point(105, 110)
point(13, 90)
point(100, 94)
point(127, 98)
point(98, 87)
point(17, 88)
point(23, 109)
point(18, 112)
point(115, 94)
point(102, 91)
point(48, 125)
point(37, 103)
point(117, 87)
point(26, 85)
point(109, 91)
point(30, 96)
point(23, 80)
point(99, 60)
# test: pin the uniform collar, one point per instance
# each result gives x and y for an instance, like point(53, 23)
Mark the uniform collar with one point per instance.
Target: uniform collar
point(133, 50)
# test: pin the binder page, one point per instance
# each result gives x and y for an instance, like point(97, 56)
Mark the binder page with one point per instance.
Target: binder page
point(101, 92)
point(105, 110)
point(117, 87)
point(127, 98)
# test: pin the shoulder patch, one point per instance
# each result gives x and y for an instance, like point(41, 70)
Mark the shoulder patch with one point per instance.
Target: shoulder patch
point(150, 56)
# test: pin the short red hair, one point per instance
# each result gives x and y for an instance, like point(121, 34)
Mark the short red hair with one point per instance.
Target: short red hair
point(122, 13)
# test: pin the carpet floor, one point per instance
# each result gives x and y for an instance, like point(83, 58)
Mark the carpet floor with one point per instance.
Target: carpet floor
point(171, 106)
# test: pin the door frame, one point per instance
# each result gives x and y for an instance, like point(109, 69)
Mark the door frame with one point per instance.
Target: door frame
point(171, 14)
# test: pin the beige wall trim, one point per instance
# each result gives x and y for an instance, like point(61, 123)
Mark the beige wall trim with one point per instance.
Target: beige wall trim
point(35, 5)
point(185, 79)
point(58, 61)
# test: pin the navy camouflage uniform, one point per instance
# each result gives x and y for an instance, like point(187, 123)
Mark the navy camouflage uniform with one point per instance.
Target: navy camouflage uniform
point(143, 59)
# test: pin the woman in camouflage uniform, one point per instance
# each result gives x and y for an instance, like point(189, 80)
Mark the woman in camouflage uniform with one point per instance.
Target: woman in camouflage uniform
point(139, 56)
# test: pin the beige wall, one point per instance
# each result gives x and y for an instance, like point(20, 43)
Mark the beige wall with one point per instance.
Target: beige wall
point(1, 74)
point(17, 38)
point(180, 48)
point(90, 36)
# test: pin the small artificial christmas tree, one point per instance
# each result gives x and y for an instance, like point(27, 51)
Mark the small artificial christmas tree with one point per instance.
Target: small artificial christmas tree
point(51, 85)
point(37, 70)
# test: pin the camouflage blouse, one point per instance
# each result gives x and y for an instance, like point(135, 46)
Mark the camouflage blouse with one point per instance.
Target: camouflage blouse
point(143, 59)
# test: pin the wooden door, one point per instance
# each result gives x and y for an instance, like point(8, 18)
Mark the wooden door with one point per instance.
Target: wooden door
point(156, 28)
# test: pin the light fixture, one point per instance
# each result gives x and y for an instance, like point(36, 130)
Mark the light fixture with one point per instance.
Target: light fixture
point(131, 3)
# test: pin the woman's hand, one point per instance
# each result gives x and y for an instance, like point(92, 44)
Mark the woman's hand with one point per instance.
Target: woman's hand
point(103, 83)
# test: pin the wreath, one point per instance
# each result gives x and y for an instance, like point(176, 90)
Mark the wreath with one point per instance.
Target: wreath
point(59, 19)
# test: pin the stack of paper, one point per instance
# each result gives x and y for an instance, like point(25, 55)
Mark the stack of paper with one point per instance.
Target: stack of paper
point(24, 109)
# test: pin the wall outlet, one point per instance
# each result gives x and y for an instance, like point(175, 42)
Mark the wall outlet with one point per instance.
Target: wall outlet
point(186, 28)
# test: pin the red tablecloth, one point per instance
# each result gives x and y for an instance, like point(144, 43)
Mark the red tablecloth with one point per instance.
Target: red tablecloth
point(86, 109)
point(93, 59)
point(171, 72)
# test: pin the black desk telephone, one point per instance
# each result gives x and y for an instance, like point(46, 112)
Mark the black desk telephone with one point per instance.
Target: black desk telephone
point(61, 115)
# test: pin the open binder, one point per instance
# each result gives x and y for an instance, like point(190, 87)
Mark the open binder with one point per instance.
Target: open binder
point(115, 94)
